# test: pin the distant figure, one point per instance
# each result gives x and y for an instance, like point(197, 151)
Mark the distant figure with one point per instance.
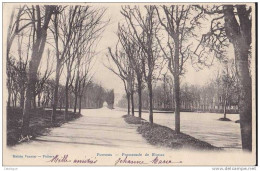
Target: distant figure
point(105, 105)
point(110, 98)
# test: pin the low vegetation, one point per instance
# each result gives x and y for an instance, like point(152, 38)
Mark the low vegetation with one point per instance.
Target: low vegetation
point(163, 136)
point(132, 119)
point(224, 119)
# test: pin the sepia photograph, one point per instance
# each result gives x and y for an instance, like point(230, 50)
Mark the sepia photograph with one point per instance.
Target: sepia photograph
point(129, 84)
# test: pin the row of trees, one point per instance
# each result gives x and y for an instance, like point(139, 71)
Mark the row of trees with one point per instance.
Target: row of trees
point(218, 95)
point(70, 35)
point(94, 95)
point(152, 36)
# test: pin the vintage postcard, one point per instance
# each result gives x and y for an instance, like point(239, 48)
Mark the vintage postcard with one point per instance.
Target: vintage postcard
point(129, 84)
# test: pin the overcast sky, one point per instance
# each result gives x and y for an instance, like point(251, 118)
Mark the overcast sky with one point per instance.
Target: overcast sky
point(109, 39)
point(111, 81)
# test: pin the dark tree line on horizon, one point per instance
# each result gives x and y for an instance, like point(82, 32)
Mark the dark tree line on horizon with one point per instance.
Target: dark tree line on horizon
point(94, 96)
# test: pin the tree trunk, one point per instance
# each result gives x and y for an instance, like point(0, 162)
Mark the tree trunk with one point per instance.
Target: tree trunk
point(60, 104)
point(132, 103)
point(47, 99)
point(239, 35)
point(39, 100)
point(80, 96)
point(177, 103)
point(140, 98)
point(225, 107)
point(80, 100)
point(76, 93)
point(12, 97)
point(56, 90)
point(245, 101)
point(75, 102)
point(34, 101)
point(128, 103)
point(22, 98)
point(15, 99)
point(32, 77)
point(66, 99)
point(150, 89)
point(245, 104)
point(28, 99)
point(37, 52)
point(176, 73)
point(9, 99)
point(43, 101)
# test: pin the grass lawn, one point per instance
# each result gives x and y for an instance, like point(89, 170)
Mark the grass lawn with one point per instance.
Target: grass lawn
point(40, 122)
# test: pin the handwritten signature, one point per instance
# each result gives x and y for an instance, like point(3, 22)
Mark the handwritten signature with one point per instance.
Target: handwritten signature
point(155, 161)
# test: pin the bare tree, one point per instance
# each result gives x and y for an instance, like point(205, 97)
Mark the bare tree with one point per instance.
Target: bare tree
point(42, 78)
point(134, 53)
point(84, 80)
point(73, 49)
point(239, 33)
point(234, 23)
point(17, 24)
point(62, 32)
point(132, 89)
point(144, 29)
point(84, 75)
point(17, 68)
point(228, 83)
point(40, 26)
point(87, 26)
point(179, 23)
point(124, 71)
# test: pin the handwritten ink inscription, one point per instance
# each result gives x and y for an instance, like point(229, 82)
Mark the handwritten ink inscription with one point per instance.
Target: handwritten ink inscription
point(65, 159)
point(120, 161)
